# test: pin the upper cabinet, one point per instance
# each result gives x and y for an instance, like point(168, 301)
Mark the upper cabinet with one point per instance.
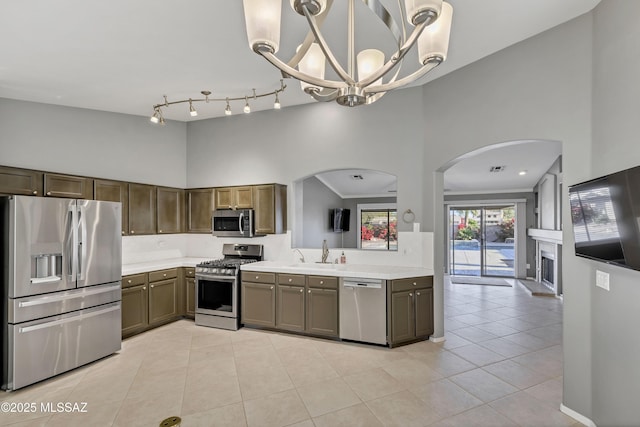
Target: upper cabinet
point(170, 209)
point(75, 187)
point(114, 191)
point(142, 209)
point(270, 203)
point(199, 208)
point(20, 181)
point(234, 197)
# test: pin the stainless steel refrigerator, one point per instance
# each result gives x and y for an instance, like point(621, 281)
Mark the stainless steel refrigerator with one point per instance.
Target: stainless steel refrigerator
point(61, 273)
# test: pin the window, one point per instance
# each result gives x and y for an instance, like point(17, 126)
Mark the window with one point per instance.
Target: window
point(377, 227)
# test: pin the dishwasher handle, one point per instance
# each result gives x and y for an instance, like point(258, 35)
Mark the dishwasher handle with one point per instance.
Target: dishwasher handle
point(354, 282)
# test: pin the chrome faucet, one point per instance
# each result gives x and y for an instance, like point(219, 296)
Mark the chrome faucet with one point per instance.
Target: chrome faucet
point(301, 254)
point(325, 252)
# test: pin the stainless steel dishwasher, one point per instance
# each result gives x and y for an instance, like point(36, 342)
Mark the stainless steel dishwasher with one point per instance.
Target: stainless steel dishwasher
point(363, 310)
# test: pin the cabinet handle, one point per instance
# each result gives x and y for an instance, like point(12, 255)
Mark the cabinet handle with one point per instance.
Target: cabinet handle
point(257, 277)
point(414, 283)
point(164, 275)
point(48, 193)
point(322, 282)
point(301, 290)
point(290, 280)
point(410, 294)
point(152, 286)
point(159, 231)
point(35, 192)
point(123, 233)
point(144, 288)
point(309, 291)
point(271, 287)
point(133, 232)
point(129, 281)
point(418, 293)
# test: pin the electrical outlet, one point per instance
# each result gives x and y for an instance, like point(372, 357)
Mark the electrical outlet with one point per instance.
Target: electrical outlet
point(602, 279)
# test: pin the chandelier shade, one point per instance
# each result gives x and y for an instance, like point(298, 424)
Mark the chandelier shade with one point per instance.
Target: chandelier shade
point(427, 25)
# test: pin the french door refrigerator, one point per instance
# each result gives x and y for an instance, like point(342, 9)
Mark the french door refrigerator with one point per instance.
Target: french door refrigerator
point(61, 274)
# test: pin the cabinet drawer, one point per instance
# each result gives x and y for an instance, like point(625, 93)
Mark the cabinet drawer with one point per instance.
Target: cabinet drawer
point(255, 276)
point(399, 285)
point(189, 272)
point(291, 279)
point(170, 273)
point(134, 280)
point(322, 282)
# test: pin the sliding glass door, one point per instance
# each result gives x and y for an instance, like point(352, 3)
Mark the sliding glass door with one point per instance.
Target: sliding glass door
point(482, 240)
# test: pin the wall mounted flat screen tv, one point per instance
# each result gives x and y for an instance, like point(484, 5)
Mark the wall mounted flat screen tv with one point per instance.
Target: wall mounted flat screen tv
point(605, 214)
point(339, 219)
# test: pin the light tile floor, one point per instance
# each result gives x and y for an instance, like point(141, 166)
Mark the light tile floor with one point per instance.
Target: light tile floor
point(501, 365)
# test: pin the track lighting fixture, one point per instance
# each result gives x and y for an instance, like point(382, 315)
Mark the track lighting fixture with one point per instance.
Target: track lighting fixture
point(157, 117)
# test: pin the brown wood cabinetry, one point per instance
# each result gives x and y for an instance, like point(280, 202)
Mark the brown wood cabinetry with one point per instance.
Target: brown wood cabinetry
point(73, 187)
point(135, 297)
point(163, 296)
point(190, 292)
point(142, 209)
point(290, 303)
point(114, 191)
point(410, 307)
point(170, 210)
point(20, 182)
point(199, 208)
point(270, 204)
point(322, 306)
point(234, 197)
point(258, 299)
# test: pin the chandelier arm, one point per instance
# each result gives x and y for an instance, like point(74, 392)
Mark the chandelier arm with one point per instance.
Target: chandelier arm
point(310, 38)
point(325, 95)
point(429, 65)
point(327, 52)
point(396, 57)
point(275, 61)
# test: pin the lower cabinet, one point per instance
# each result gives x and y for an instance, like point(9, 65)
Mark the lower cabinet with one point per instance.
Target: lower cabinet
point(290, 308)
point(410, 309)
point(163, 301)
point(258, 301)
point(322, 311)
point(134, 304)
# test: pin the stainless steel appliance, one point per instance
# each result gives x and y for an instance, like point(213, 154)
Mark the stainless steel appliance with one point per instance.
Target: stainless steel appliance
point(218, 286)
point(233, 223)
point(363, 310)
point(61, 272)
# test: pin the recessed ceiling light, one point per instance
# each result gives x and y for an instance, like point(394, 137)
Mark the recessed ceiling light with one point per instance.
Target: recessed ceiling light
point(522, 173)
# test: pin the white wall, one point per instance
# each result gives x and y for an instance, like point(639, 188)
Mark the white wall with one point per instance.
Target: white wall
point(92, 143)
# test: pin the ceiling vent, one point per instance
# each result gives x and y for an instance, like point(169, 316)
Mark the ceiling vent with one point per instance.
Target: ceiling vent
point(497, 168)
point(357, 177)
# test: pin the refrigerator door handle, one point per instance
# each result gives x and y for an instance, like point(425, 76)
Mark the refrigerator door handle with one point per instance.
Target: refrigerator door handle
point(82, 247)
point(65, 297)
point(71, 242)
point(26, 329)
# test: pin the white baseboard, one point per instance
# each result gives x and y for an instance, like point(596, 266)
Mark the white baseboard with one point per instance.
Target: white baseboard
point(437, 339)
point(576, 416)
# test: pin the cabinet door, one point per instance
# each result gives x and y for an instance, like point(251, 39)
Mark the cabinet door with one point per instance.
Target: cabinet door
point(322, 311)
point(170, 209)
point(134, 309)
point(199, 208)
point(73, 187)
point(258, 304)
point(264, 200)
point(224, 198)
point(424, 312)
point(290, 308)
point(114, 191)
point(190, 295)
point(243, 197)
point(20, 181)
point(163, 301)
point(142, 209)
point(402, 317)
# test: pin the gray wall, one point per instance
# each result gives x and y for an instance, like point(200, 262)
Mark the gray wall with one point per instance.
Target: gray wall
point(92, 143)
point(317, 200)
point(615, 314)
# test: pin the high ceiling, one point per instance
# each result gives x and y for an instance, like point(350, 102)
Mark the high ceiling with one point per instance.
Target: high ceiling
point(123, 55)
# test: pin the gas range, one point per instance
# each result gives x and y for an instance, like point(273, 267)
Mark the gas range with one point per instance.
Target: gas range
point(222, 267)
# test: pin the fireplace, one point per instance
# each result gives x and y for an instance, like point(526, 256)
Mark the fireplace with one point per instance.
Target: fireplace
point(547, 272)
point(548, 258)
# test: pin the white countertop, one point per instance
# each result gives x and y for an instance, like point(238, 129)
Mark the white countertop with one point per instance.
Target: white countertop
point(386, 272)
point(161, 264)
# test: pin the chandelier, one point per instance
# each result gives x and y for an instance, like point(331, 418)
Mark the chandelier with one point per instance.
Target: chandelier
point(430, 20)
point(158, 116)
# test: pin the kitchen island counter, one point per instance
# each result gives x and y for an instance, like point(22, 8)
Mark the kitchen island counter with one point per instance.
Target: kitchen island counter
point(385, 272)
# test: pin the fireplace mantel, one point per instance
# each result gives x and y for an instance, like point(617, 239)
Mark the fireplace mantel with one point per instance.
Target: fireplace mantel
point(544, 235)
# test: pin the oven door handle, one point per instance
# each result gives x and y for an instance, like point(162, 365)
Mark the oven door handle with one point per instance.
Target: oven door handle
point(209, 277)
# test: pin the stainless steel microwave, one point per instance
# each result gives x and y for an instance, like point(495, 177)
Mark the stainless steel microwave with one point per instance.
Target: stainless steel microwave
point(233, 223)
